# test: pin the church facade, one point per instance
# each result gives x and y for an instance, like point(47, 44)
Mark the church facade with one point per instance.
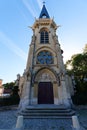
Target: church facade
point(44, 80)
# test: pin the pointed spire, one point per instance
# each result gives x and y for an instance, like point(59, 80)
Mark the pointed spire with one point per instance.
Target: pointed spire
point(44, 13)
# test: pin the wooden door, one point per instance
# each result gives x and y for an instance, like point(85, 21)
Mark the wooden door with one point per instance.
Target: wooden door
point(45, 93)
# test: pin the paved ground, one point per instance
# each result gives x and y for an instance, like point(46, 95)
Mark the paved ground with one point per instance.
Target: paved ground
point(8, 121)
point(82, 114)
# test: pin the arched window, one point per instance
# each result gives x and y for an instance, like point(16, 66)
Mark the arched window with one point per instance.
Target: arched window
point(45, 57)
point(44, 37)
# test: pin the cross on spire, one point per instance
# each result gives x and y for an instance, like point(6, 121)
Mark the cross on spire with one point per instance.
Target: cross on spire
point(43, 2)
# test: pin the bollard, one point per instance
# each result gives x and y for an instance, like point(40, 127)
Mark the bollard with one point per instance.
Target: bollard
point(75, 122)
point(19, 124)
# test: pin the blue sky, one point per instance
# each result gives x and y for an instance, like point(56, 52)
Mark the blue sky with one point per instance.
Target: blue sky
point(15, 36)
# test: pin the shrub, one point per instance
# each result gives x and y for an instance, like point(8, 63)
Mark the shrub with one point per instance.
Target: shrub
point(7, 101)
point(79, 99)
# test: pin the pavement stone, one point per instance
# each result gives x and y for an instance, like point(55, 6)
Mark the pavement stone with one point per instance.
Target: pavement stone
point(8, 120)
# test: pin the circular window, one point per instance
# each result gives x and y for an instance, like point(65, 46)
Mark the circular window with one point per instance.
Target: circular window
point(45, 57)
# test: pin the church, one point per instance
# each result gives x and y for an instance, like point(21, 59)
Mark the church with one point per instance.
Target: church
point(44, 80)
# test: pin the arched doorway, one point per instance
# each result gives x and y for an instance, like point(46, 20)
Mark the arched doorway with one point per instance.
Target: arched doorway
point(45, 93)
point(45, 87)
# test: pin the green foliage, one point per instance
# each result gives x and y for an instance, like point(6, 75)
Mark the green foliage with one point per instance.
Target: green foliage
point(12, 86)
point(15, 90)
point(79, 99)
point(9, 85)
point(78, 63)
point(14, 98)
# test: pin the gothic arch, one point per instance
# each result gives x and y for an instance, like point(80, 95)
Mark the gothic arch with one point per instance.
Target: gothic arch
point(46, 48)
point(47, 68)
point(44, 29)
point(46, 75)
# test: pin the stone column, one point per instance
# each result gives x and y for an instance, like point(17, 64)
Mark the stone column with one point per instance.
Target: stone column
point(25, 96)
point(60, 98)
point(64, 91)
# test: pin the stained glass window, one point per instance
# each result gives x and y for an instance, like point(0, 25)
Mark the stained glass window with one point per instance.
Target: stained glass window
point(44, 57)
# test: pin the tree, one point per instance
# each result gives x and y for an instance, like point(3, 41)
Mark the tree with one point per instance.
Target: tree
point(14, 97)
point(78, 63)
point(9, 85)
point(12, 87)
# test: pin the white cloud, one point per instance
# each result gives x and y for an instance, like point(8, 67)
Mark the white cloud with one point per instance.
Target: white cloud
point(40, 3)
point(12, 46)
point(32, 11)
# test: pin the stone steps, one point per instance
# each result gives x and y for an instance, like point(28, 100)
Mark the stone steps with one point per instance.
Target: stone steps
point(47, 111)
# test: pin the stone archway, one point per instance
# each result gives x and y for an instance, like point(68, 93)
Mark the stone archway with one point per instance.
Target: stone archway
point(47, 79)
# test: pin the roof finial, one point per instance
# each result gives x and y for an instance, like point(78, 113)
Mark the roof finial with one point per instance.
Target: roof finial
point(44, 12)
point(43, 2)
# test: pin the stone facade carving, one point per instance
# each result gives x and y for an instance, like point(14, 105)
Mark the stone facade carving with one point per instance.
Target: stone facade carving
point(17, 80)
point(26, 75)
point(33, 39)
point(45, 77)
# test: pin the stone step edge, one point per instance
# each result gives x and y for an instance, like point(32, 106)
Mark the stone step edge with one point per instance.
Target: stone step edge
point(47, 117)
point(47, 114)
point(30, 108)
point(47, 111)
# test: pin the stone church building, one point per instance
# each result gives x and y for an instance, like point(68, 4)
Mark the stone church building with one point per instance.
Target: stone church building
point(44, 80)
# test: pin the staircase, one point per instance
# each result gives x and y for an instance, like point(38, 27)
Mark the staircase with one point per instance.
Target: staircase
point(46, 111)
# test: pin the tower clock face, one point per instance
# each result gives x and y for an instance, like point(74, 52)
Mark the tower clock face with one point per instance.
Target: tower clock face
point(45, 57)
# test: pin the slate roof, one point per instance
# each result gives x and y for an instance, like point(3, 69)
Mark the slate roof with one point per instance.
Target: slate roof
point(44, 12)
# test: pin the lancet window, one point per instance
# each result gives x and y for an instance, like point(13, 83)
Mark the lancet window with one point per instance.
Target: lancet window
point(44, 37)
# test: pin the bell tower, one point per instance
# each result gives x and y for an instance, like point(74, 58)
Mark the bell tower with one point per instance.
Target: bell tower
point(44, 80)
